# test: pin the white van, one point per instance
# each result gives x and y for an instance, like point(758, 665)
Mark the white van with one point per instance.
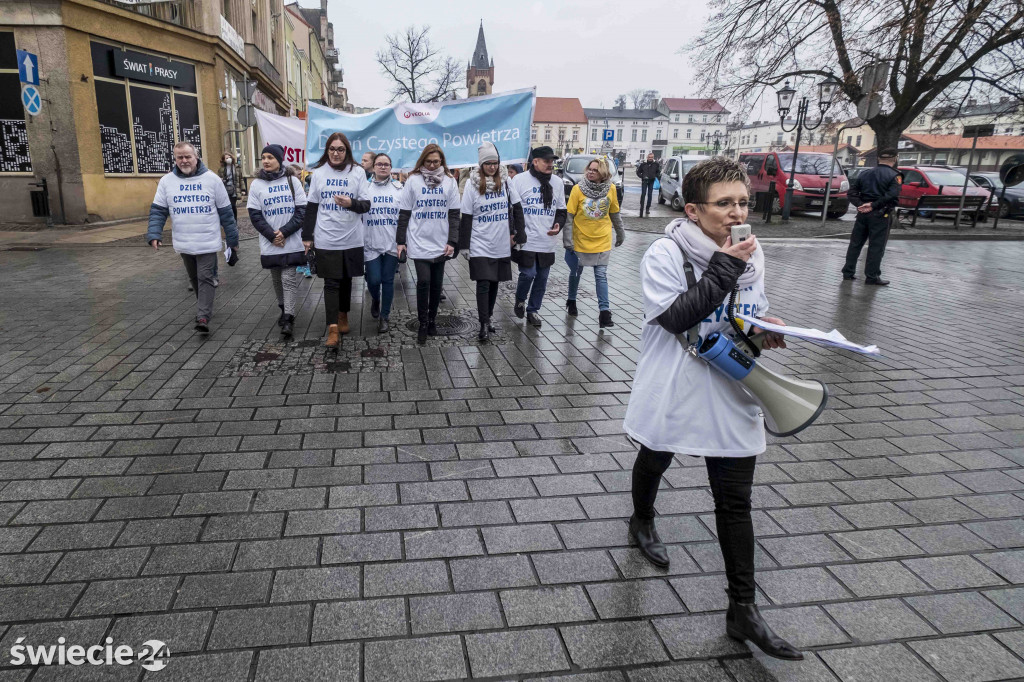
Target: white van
point(672, 172)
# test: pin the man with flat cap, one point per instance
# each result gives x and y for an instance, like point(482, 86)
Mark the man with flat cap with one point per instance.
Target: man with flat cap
point(875, 194)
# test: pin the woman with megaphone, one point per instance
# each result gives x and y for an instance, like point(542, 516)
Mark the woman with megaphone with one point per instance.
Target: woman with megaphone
point(680, 403)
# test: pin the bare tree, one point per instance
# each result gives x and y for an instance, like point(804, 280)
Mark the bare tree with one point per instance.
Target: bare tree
point(640, 98)
point(620, 102)
point(418, 70)
point(937, 51)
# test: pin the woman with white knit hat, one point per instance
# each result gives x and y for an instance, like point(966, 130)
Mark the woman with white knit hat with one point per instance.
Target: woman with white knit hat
point(492, 220)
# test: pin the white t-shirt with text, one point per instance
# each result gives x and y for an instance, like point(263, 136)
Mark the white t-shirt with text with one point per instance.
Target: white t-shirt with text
point(539, 219)
point(427, 234)
point(381, 222)
point(337, 228)
point(274, 200)
point(680, 403)
point(490, 238)
point(193, 203)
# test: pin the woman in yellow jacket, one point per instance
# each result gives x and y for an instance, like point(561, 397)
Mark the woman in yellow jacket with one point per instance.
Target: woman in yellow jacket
point(593, 210)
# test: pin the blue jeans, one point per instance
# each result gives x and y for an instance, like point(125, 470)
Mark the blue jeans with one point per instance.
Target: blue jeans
point(600, 279)
point(380, 280)
point(533, 282)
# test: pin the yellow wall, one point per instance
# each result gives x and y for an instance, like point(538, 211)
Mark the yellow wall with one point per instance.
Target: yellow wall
point(114, 197)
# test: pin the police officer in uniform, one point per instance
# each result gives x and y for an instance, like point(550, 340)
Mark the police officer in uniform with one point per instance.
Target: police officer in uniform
point(875, 194)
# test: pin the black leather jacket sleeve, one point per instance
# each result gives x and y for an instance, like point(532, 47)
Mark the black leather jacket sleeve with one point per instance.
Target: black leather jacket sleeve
point(261, 224)
point(560, 217)
point(454, 219)
point(465, 231)
point(403, 227)
point(519, 223)
point(696, 303)
point(309, 223)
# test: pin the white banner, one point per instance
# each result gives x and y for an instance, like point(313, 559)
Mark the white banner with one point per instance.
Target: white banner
point(287, 131)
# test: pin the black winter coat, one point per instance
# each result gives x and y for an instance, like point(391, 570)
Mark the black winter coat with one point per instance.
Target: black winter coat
point(698, 302)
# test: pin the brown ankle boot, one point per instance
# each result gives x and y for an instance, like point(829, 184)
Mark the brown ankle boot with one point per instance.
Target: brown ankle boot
point(332, 336)
point(343, 323)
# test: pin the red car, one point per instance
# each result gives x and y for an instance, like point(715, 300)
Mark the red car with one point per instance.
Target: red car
point(919, 181)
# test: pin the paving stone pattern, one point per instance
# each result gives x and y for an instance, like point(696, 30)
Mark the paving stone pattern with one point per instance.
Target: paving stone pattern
point(459, 510)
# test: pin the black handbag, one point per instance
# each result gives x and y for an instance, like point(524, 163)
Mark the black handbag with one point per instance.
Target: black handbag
point(311, 260)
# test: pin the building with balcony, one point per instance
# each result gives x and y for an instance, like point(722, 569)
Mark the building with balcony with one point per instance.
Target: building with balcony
point(121, 83)
point(337, 93)
point(634, 132)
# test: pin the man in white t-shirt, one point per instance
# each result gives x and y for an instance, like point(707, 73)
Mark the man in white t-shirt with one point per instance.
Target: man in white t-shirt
point(198, 205)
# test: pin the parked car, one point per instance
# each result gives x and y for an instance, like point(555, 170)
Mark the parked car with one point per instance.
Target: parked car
point(853, 173)
point(673, 170)
point(575, 165)
point(809, 181)
point(1011, 203)
point(919, 181)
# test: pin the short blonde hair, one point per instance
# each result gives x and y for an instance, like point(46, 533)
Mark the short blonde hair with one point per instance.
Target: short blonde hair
point(604, 172)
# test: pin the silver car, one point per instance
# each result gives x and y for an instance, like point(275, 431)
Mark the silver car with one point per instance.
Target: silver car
point(672, 172)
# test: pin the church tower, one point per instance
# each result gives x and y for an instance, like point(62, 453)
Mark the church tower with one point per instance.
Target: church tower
point(480, 72)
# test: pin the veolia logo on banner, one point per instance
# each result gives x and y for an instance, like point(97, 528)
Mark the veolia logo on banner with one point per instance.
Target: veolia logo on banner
point(417, 113)
point(150, 68)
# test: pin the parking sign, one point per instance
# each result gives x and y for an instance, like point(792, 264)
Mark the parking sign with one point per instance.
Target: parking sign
point(608, 135)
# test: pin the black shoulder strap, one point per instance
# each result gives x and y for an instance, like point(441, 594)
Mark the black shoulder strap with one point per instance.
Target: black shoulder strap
point(692, 334)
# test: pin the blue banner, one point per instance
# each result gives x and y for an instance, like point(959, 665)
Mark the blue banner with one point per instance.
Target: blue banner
point(402, 130)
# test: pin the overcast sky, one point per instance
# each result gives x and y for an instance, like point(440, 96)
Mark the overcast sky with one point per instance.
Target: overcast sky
point(566, 48)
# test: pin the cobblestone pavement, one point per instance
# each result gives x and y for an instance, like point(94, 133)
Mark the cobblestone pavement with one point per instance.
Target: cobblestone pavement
point(457, 510)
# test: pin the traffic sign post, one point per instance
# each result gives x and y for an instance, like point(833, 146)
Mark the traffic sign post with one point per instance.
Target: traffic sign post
point(608, 135)
point(31, 98)
point(28, 67)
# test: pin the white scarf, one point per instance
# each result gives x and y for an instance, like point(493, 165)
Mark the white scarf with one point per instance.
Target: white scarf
point(432, 178)
point(699, 248)
point(474, 179)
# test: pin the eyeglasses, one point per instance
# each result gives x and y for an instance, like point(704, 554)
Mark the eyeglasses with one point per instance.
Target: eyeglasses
point(335, 150)
point(725, 204)
point(382, 165)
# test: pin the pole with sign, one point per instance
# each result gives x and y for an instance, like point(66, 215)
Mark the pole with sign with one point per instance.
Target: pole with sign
point(28, 67)
point(975, 131)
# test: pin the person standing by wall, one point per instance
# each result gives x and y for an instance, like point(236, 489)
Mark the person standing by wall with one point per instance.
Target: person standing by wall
point(593, 213)
point(198, 205)
point(333, 226)
point(428, 226)
point(229, 176)
point(875, 192)
point(380, 250)
point(544, 215)
point(277, 206)
point(492, 220)
point(648, 172)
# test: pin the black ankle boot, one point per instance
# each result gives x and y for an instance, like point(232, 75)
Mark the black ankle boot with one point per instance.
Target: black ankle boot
point(431, 328)
point(570, 307)
point(482, 336)
point(288, 326)
point(648, 541)
point(744, 621)
point(421, 335)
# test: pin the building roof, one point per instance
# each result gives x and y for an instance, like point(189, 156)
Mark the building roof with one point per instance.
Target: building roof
point(999, 142)
point(559, 110)
point(480, 60)
point(821, 148)
point(649, 114)
point(677, 104)
point(1008, 106)
point(312, 17)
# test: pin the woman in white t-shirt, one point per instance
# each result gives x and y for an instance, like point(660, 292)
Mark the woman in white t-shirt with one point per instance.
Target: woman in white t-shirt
point(492, 220)
point(380, 250)
point(277, 206)
point(334, 227)
point(428, 229)
point(680, 404)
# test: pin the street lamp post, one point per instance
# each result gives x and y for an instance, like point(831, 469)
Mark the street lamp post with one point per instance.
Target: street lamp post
point(716, 141)
point(826, 91)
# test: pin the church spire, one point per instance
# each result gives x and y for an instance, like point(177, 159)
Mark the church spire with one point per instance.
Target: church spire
point(480, 59)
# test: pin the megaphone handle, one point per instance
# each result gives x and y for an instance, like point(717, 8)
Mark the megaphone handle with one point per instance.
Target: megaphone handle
point(756, 339)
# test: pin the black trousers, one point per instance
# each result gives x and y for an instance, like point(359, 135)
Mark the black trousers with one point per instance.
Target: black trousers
point(731, 479)
point(234, 206)
point(486, 295)
point(337, 298)
point(646, 190)
point(429, 280)
point(872, 228)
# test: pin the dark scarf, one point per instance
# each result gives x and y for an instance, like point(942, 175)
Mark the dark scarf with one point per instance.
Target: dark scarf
point(270, 176)
point(545, 186)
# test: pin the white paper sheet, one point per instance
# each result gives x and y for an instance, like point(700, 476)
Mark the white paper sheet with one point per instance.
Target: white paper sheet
point(832, 338)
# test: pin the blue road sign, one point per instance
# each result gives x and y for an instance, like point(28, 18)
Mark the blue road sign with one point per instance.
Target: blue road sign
point(31, 99)
point(608, 135)
point(28, 67)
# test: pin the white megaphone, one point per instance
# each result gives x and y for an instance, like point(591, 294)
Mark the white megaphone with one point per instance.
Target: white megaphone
point(789, 405)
